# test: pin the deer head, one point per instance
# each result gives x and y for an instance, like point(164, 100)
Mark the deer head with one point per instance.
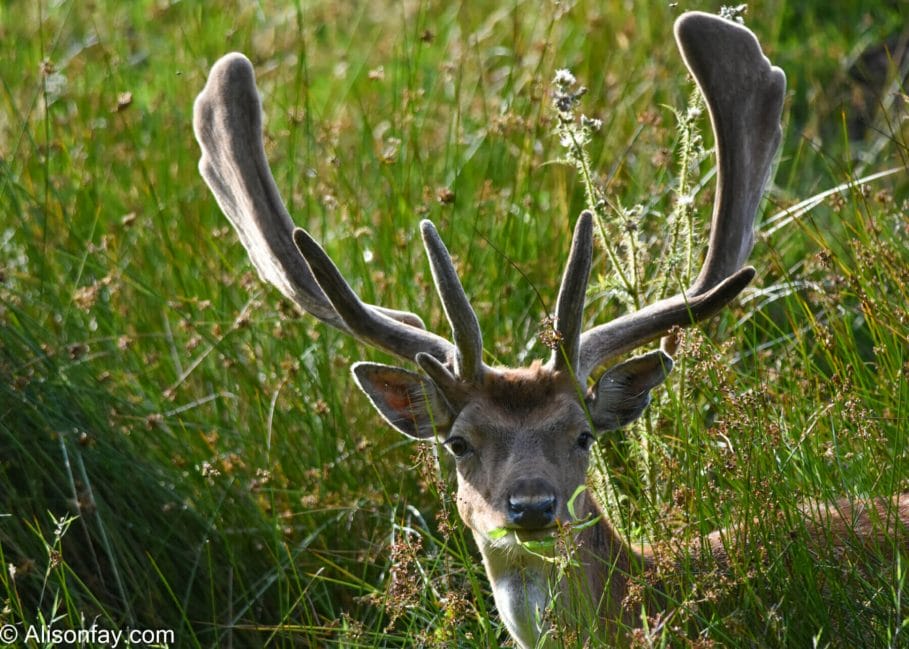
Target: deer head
point(520, 438)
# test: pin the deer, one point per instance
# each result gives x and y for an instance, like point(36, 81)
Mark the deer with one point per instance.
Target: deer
point(521, 438)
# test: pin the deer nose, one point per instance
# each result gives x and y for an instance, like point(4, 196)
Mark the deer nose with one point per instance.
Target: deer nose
point(531, 505)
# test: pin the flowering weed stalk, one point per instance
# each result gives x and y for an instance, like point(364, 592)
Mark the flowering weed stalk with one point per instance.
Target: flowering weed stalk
point(575, 131)
point(619, 225)
point(632, 281)
point(677, 262)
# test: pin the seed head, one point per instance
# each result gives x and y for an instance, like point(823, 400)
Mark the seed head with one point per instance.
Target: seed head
point(564, 78)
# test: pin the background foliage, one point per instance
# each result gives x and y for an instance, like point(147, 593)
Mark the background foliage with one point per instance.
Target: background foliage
point(180, 449)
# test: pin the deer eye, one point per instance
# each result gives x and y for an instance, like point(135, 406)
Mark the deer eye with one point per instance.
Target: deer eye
point(586, 440)
point(458, 446)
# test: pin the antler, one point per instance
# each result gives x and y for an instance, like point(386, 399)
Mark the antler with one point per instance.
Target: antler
point(572, 294)
point(465, 328)
point(744, 94)
point(228, 125)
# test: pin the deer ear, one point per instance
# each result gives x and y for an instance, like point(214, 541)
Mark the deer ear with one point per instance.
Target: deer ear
point(406, 400)
point(621, 394)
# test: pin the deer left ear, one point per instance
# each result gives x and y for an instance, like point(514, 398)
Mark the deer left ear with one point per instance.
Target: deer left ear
point(409, 402)
point(623, 392)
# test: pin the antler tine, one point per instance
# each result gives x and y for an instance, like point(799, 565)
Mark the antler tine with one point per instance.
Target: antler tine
point(465, 327)
point(227, 120)
point(570, 303)
point(362, 321)
point(744, 94)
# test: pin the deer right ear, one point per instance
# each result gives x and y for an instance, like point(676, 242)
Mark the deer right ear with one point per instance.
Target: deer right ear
point(406, 400)
point(622, 393)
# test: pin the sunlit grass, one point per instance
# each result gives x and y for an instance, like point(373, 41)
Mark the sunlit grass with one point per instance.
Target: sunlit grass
point(179, 449)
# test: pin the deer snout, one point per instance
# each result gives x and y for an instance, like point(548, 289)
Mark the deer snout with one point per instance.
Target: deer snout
point(531, 504)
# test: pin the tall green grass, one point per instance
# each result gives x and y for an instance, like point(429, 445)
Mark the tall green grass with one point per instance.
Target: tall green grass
point(180, 449)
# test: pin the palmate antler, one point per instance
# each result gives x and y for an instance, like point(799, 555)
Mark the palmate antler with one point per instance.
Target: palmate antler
point(744, 96)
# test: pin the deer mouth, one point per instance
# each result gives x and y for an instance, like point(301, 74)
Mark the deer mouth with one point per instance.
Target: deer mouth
point(536, 541)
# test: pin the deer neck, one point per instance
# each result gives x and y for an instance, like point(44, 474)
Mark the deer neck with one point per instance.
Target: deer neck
point(592, 582)
point(610, 565)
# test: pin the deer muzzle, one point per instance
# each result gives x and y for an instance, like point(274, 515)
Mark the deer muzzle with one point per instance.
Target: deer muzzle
point(532, 505)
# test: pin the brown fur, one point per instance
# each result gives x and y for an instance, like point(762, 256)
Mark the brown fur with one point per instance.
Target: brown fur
point(841, 530)
point(521, 390)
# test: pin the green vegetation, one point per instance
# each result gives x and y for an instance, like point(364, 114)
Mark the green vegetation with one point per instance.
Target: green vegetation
point(180, 449)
